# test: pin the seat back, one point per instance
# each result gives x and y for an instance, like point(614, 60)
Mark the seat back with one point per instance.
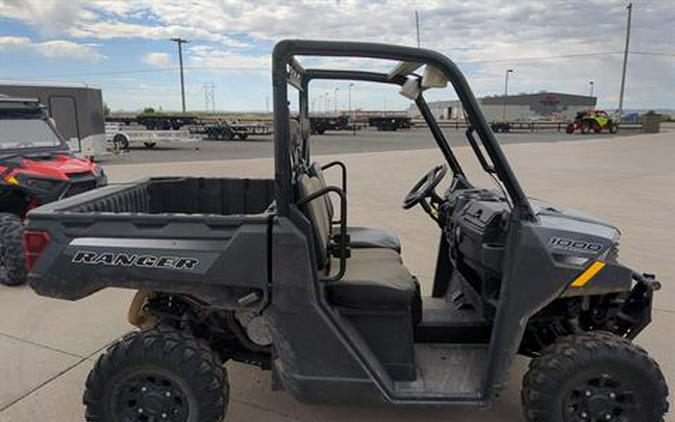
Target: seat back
point(316, 171)
point(318, 215)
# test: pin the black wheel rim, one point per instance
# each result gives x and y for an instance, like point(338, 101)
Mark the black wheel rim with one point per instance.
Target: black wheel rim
point(600, 399)
point(149, 397)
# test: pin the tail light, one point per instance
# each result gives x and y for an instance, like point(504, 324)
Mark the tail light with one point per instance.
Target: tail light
point(34, 243)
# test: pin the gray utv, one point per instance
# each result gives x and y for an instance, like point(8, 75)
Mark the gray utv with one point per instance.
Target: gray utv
point(270, 273)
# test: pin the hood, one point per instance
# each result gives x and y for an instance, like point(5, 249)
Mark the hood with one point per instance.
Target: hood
point(568, 231)
point(60, 166)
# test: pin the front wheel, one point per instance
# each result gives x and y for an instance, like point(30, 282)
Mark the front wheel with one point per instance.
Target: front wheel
point(12, 257)
point(594, 377)
point(585, 128)
point(157, 375)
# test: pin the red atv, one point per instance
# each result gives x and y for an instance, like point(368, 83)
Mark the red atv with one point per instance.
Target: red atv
point(36, 167)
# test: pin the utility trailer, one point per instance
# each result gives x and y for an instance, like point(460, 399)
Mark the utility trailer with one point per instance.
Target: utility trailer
point(122, 137)
point(227, 132)
point(77, 110)
point(269, 272)
point(157, 121)
point(390, 123)
point(320, 124)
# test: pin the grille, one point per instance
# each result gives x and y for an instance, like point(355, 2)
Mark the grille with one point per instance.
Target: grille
point(80, 182)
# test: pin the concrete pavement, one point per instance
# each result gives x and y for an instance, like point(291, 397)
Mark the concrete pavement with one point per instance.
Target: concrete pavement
point(47, 346)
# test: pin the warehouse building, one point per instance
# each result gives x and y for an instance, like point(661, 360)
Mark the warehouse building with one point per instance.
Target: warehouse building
point(540, 106)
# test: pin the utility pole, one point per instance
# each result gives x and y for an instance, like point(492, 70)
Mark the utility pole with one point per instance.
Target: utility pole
point(506, 92)
point(335, 99)
point(625, 59)
point(417, 27)
point(180, 42)
point(326, 97)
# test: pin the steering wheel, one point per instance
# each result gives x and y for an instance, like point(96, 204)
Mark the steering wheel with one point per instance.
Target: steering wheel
point(425, 188)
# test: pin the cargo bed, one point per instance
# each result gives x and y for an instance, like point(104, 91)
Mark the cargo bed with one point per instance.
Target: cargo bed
point(208, 237)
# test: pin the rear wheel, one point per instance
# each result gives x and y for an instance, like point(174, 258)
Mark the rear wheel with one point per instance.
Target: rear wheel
point(157, 375)
point(12, 257)
point(570, 128)
point(594, 377)
point(243, 136)
point(228, 134)
point(585, 128)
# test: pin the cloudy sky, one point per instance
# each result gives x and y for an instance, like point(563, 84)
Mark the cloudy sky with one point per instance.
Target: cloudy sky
point(122, 46)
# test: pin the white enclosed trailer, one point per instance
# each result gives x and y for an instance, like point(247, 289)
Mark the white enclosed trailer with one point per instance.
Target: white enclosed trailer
point(77, 110)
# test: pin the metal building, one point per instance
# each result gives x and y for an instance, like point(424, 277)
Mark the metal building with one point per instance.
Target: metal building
point(540, 106)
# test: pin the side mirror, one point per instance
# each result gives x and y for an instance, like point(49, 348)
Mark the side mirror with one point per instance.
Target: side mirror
point(433, 78)
point(411, 89)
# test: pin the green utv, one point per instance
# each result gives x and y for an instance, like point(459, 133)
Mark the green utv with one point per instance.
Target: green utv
point(269, 272)
point(592, 120)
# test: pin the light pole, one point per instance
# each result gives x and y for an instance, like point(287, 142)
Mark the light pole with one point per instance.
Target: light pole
point(625, 59)
point(335, 99)
point(351, 115)
point(506, 91)
point(326, 97)
point(180, 43)
point(592, 84)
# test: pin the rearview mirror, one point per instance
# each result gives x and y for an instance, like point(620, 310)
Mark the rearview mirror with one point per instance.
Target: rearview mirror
point(433, 78)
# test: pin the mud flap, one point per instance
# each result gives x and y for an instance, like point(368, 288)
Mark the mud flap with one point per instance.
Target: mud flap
point(137, 316)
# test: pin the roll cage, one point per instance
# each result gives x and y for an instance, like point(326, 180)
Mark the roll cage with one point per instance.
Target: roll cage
point(287, 70)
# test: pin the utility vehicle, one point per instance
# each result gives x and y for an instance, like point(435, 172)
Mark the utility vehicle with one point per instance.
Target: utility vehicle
point(36, 167)
point(270, 272)
point(592, 120)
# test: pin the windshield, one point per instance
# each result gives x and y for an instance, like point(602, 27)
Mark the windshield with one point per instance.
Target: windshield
point(27, 133)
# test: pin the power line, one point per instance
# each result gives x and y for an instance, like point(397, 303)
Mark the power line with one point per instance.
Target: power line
point(226, 68)
point(542, 58)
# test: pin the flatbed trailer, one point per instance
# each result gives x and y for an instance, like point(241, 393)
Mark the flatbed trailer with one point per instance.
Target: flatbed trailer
point(320, 124)
point(392, 123)
point(121, 137)
point(228, 132)
point(156, 121)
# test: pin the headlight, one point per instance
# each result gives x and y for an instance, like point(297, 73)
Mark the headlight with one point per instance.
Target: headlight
point(40, 184)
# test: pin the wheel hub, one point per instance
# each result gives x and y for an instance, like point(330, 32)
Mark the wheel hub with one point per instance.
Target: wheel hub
point(598, 399)
point(151, 398)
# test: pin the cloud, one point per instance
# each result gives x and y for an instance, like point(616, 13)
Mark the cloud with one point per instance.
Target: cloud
point(480, 36)
point(209, 58)
point(108, 29)
point(156, 59)
point(54, 49)
point(47, 16)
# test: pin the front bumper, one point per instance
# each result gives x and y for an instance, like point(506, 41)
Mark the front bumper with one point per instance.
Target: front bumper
point(636, 312)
